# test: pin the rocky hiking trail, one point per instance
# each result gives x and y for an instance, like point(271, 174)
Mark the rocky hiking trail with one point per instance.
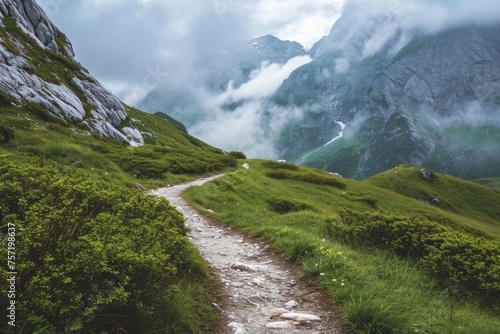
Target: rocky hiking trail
point(261, 290)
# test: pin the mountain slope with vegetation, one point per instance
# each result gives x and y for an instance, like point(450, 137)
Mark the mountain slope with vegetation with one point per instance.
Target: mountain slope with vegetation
point(93, 252)
point(393, 264)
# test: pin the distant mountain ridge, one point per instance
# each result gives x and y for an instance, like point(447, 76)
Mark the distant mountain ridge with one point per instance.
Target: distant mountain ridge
point(378, 93)
point(213, 74)
point(433, 102)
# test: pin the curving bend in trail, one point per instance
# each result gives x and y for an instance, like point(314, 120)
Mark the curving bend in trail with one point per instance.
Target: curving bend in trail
point(262, 292)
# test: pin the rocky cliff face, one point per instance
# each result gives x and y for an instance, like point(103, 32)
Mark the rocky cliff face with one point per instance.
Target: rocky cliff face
point(430, 100)
point(37, 65)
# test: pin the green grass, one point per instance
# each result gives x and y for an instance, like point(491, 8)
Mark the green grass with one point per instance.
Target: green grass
point(493, 182)
point(465, 198)
point(170, 154)
point(376, 290)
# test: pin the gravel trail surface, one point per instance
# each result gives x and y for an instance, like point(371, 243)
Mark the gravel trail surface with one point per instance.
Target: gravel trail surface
point(262, 291)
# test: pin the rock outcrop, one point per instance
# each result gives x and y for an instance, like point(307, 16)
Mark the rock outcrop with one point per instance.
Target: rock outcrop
point(37, 65)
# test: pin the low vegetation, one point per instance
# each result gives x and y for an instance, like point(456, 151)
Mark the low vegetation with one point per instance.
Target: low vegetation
point(107, 258)
point(392, 263)
point(94, 253)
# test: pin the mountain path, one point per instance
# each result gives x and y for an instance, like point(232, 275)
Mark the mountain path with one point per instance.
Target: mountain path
point(261, 290)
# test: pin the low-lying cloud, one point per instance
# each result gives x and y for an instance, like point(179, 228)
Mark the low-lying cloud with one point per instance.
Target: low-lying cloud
point(263, 82)
point(244, 128)
point(389, 20)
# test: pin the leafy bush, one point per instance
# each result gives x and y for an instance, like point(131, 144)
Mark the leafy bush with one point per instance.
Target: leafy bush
point(283, 204)
point(465, 263)
point(360, 197)
point(6, 134)
point(279, 165)
point(237, 155)
point(320, 179)
point(92, 255)
point(457, 260)
point(307, 177)
point(150, 163)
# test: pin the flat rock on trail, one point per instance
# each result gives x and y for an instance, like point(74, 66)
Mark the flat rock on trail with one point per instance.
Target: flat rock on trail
point(262, 292)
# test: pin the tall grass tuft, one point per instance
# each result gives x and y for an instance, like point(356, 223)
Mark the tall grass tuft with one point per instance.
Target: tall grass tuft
point(372, 317)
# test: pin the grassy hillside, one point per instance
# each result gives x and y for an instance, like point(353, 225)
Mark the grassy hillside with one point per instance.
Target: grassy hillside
point(93, 252)
point(78, 198)
point(171, 155)
point(465, 198)
point(391, 263)
point(493, 182)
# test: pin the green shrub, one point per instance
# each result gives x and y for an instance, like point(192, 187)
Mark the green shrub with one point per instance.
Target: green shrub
point(371, 201)
point(464, 263)
point(6, 134)
point(279, 165)
point(306, 177)
point(320, 179)
point(283, 204)
point(457, 260)
point(237, 155)
point(93, 255)
point(277, 174)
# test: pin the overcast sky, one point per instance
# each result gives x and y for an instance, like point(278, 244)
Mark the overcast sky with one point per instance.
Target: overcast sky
point(124, 42)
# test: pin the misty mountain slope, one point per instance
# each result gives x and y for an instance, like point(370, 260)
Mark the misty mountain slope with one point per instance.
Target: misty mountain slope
point(433, 103)
point(185, 98)
point(237, 64)
point(37, 66)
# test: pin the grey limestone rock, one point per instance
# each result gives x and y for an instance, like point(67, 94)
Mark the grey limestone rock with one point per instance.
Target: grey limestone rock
point(62, 100)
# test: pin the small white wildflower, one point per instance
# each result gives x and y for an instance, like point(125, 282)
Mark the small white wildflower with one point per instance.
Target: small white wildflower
point(342, 284)
point(316, 264)
point(335, 280)
point(322, 274)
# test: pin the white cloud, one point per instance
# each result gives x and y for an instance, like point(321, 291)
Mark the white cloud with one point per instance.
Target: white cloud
point(405, 18)
point(264, 81)
point(244, 130)
point(128, 93)
point(250, 127)
point(303, 21)
point(342, 65)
